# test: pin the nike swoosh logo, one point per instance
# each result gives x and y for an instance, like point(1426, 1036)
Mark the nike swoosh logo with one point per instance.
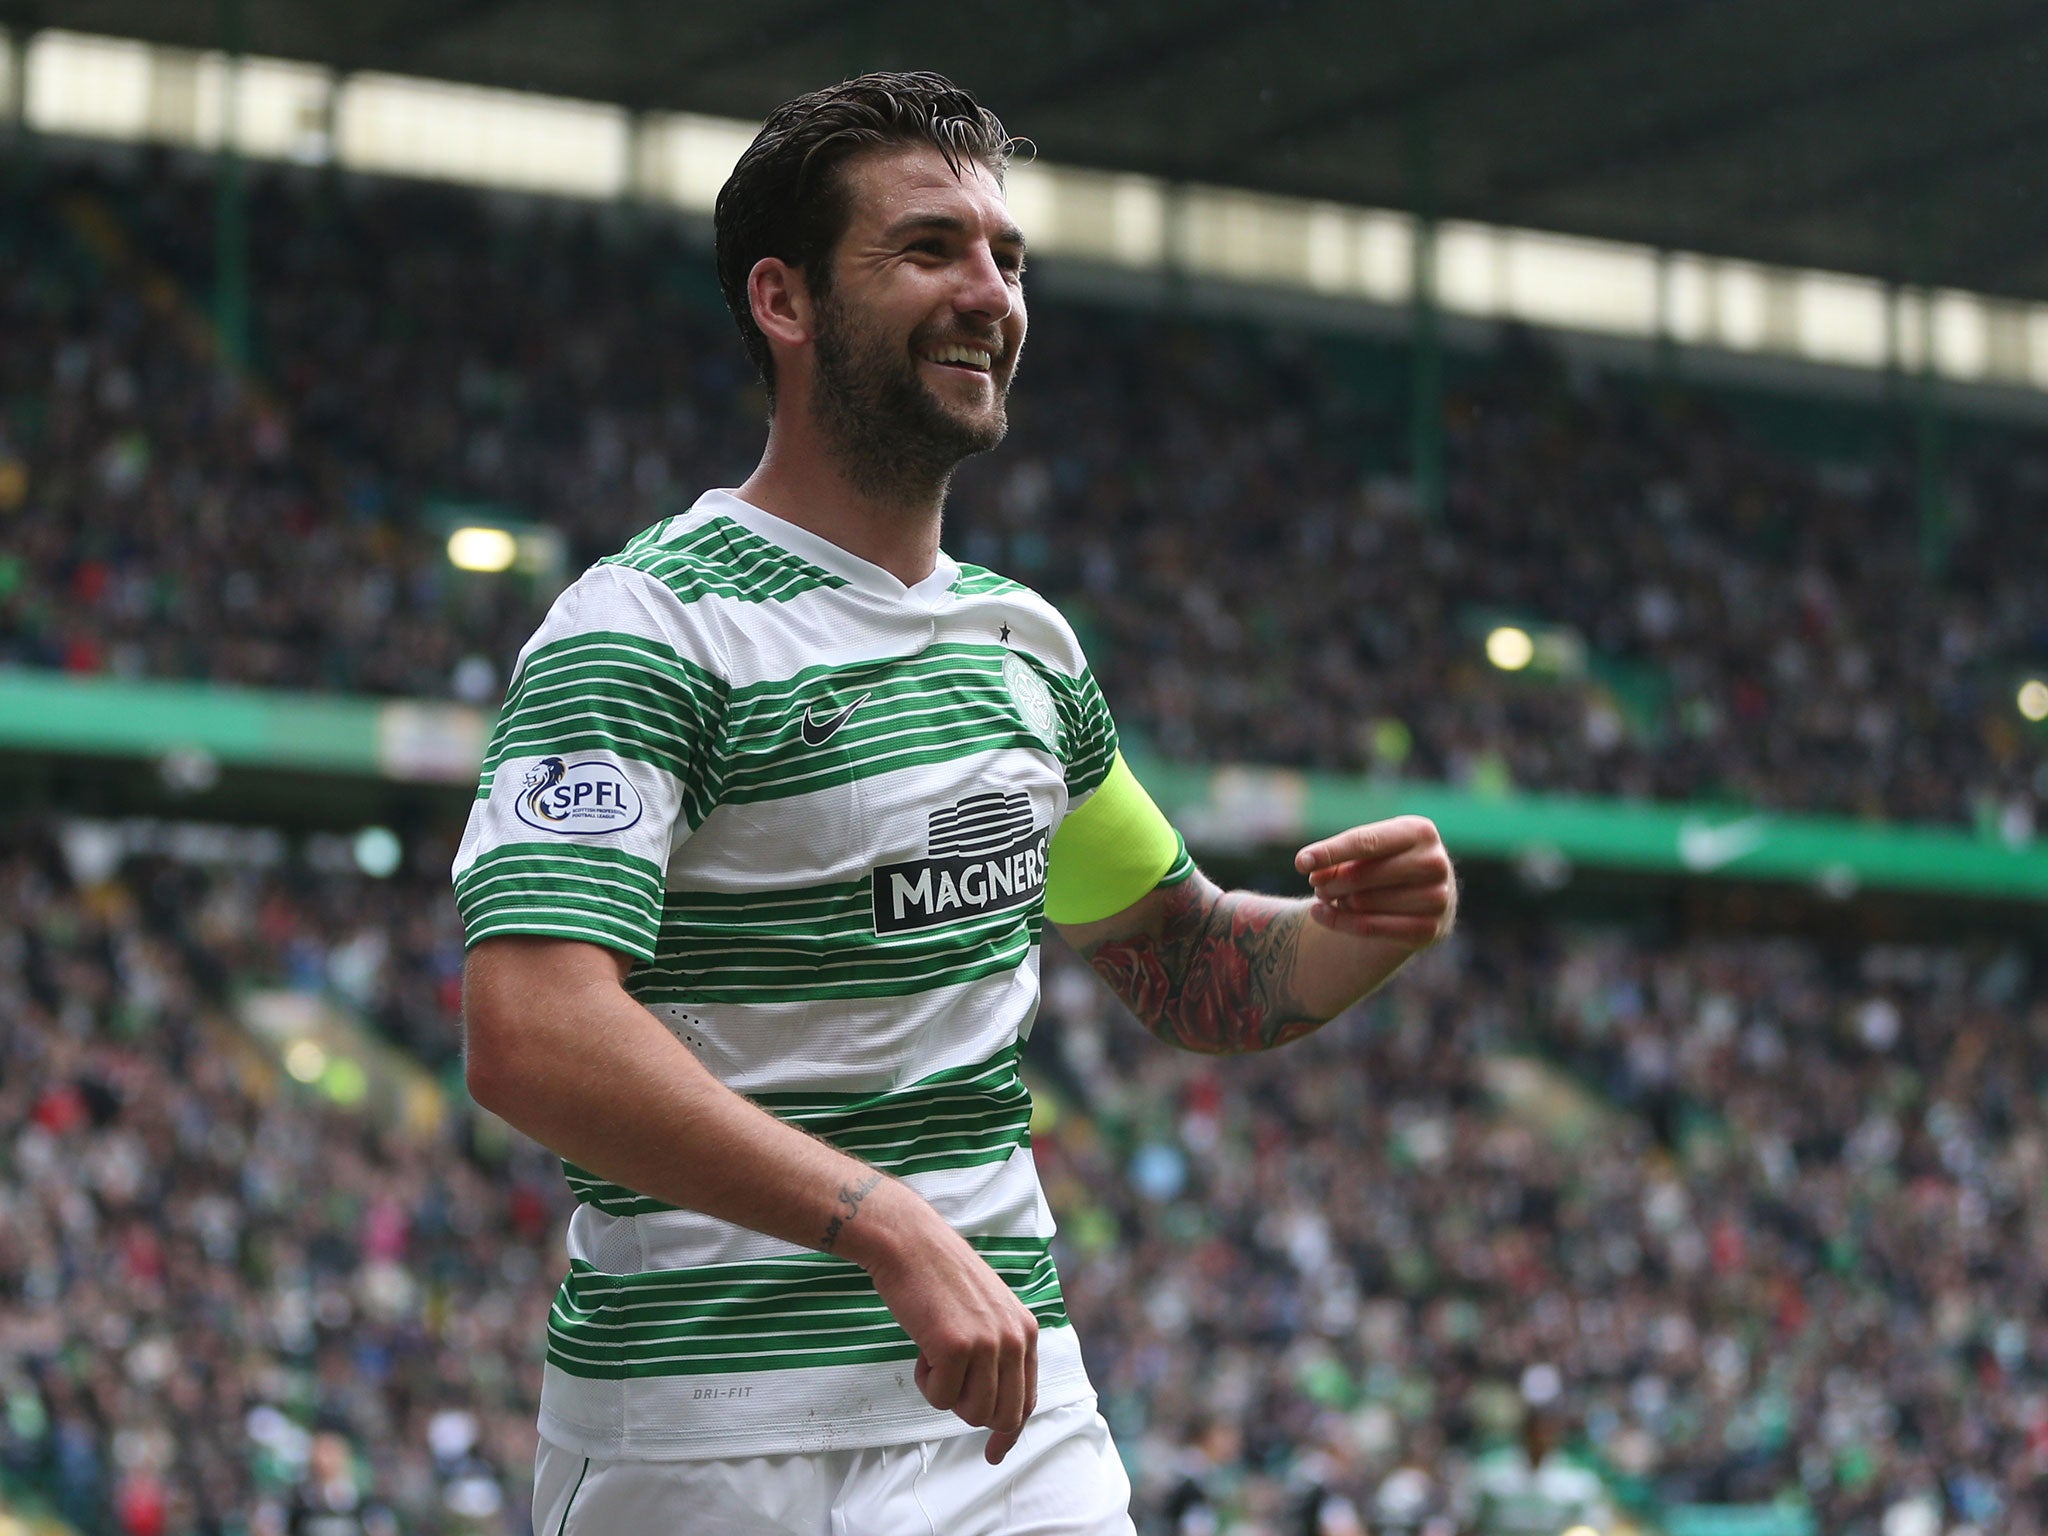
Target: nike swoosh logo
point(817, 732)
point(1704, 848)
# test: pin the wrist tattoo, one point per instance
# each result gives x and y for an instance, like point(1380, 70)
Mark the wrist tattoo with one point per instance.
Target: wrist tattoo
point(1218, 976)
point(850, 1197)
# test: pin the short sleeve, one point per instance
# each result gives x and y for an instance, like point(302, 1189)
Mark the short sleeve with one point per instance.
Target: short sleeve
point(1113, 846)
point(604, 758)
point(1088, 741)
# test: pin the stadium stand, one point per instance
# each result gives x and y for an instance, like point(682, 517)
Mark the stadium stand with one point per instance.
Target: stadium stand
point(1758, 1222)
point(204, 1271)
point(1738, 1220)
point(1799, 1260)
point(1621, 1211)
point(1745, 623)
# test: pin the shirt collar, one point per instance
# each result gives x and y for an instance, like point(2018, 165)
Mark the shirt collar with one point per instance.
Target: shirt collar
point(862, 575)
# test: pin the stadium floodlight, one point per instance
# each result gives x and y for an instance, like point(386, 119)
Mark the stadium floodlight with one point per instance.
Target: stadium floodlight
point(378, 852)
point(482, 549)
point(1510, 648)
point(2033, 699)
point(494, 541)
point(305, 1060)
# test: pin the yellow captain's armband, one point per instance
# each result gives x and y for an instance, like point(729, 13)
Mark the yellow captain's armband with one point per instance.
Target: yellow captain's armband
point(1110, 852)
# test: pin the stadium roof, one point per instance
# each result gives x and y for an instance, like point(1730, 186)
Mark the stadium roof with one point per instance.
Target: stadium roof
point(1894, 138)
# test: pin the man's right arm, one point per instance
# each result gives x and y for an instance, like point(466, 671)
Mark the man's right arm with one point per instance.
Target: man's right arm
point(559, 1049)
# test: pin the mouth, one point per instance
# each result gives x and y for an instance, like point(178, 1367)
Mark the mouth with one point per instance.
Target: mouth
point(962, 359)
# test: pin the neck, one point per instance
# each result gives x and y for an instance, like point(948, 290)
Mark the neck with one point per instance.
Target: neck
point(892, 522)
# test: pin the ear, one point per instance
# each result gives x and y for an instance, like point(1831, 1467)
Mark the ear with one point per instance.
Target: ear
point(781, 301)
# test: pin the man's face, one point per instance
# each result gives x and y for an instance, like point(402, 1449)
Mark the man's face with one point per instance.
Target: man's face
point(918, 333)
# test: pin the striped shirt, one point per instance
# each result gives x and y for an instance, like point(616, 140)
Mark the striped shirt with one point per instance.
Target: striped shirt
point(814, 804)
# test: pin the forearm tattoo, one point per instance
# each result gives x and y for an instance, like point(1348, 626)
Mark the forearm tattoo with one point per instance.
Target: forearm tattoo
point(850, 1197)
point(1218, 977)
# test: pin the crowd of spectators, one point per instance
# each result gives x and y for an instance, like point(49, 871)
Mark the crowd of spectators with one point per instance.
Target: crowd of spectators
point(1731, 1219)
point(1790, 1246)
point(221, 1298)
point(1219, 508)
point(1766, 1220)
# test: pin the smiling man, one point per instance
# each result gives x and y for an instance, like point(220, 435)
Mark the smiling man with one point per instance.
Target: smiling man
point(768, 830)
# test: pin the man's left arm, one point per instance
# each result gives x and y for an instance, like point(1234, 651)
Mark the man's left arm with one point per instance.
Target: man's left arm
point(1226, 971)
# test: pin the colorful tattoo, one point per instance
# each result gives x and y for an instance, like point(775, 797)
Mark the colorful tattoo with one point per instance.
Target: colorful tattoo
point(1218, 975)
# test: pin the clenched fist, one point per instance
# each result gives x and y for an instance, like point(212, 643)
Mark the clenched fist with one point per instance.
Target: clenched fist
point(1385, 880)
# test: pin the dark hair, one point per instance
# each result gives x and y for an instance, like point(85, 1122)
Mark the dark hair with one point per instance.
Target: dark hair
point(786, 198)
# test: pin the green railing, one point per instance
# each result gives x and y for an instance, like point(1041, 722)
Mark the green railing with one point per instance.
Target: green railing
point(1737, 1520)
point(1218, 808)
point(411, 740)
point(1221, 808)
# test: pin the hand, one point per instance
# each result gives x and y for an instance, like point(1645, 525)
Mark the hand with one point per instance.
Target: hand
point(977, 1344)
point(1385, 880)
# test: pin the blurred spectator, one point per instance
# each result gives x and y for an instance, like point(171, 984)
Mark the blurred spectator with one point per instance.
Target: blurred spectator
point(1207, 1464)
point(328, 1500)
point(1534, 1489)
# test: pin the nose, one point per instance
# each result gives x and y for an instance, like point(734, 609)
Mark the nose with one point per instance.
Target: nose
point(984, 293)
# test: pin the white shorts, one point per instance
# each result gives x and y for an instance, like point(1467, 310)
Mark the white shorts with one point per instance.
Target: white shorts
point(1063, 1478)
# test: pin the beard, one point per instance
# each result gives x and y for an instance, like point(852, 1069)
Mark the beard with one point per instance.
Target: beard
point(895, 439)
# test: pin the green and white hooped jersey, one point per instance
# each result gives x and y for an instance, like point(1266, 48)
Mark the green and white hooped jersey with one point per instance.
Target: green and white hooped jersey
point(815, 804)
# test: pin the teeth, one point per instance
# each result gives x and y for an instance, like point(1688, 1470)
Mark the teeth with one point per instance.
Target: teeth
point(959, 354)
